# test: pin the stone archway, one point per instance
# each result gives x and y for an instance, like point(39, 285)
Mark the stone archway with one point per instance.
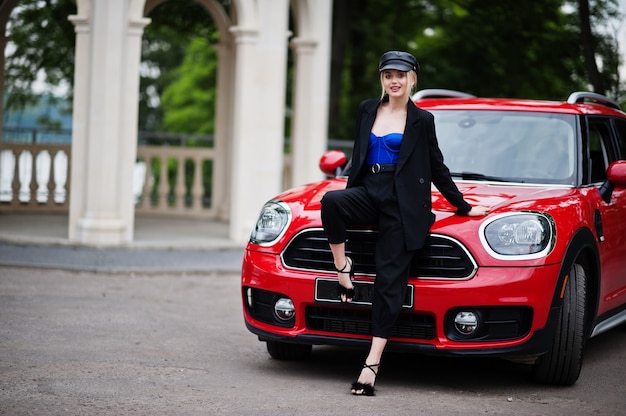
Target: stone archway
point(223, 117)
point(250, 112)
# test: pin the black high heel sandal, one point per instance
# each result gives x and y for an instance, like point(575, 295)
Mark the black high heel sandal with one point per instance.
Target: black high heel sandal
point(365, 389)
point(342, 290)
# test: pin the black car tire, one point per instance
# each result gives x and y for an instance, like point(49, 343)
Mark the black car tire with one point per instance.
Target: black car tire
point(561, 365)
point(286, 351)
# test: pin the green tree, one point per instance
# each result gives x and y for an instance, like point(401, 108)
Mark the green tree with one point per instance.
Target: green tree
point(537, 49)
point(502, 48)
point(174, 25)
point(594, 44)
point(486, 47)
point(188, 102)
point(42, 40)
point(362, 31)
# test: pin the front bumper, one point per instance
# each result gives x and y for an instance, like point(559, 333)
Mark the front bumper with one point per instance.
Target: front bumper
point(514, 303)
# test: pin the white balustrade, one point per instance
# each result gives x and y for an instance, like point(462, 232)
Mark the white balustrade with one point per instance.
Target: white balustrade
point(34, 177)
point(168, 180)
point(178, 187)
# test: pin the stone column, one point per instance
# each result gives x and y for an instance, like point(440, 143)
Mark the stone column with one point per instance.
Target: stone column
point(312, 78)
point(3, 44)
point(259, 110)
point(104, 142)
point(78, 166)
point(223, 132)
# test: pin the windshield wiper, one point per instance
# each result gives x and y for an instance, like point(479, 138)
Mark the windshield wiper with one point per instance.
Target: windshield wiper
point(478, 176)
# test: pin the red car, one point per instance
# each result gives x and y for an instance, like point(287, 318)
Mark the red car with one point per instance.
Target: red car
point(534, 279)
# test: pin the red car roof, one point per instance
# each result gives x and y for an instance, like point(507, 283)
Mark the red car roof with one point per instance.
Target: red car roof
point(516, 104)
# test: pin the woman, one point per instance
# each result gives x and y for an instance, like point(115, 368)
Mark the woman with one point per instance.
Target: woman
point(394, 160)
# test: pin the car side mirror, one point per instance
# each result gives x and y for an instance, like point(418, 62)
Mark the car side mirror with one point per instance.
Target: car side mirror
point(332, 162)
point(617, 173)
point(616, 177)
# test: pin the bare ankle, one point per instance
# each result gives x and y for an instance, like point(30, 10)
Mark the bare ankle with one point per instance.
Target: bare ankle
point(343, 269)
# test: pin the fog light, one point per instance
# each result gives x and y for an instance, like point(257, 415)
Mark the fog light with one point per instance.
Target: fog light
point(466, 323)
point(249, 297)
point(284, 309)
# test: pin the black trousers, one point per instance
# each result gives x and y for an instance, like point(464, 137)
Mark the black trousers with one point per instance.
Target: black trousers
point(374, 202)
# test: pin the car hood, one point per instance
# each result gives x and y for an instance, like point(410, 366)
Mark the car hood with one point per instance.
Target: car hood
point(502, 197)
point(496, 196)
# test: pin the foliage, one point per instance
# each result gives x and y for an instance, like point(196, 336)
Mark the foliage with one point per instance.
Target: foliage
point(42, 41)
point(514, 48)
point(174, 25)
point(485, 47)
point(501, 48)
point(362, 31)
point(602, 46)
point(189, 101)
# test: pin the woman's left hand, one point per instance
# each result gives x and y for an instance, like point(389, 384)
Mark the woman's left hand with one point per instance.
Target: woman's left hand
point(478, 211)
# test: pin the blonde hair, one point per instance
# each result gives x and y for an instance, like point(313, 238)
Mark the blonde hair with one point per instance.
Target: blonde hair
point(412, 75)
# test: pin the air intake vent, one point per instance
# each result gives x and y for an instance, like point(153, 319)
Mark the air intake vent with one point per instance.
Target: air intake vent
point(441, 257)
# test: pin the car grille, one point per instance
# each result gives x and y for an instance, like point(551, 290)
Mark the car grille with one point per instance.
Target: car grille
point(358, 321)
point(441, 257)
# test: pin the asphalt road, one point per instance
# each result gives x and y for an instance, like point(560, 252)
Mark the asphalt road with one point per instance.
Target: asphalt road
point(115, 343)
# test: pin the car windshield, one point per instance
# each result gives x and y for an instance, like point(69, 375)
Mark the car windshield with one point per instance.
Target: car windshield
point(508, 146)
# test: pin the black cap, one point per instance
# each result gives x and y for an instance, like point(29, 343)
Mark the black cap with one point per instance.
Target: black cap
point(402, 61)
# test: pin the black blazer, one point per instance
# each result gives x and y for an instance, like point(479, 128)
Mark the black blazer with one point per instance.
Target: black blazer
point(420, 163)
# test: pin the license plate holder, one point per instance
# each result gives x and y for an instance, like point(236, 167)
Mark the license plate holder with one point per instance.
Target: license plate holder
point(326, 291)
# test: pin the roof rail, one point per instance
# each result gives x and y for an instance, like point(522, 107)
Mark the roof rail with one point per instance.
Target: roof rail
point(440, 93)
point(582, 96)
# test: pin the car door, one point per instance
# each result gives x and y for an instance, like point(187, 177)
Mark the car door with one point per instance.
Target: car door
point(604, 148)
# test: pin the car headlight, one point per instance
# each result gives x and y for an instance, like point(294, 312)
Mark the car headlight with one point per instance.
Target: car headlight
point(271, 224)
point(518, 236)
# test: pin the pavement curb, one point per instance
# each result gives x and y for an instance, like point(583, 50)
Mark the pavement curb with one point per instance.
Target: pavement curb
point(121, 259)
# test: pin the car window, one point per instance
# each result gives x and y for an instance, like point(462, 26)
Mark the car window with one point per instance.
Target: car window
point(599, 150)
point(597, 157)
point(620, 128)
point(515, 146)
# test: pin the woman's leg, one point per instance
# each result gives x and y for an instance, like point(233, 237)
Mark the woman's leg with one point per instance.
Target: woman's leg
point(392, 271)
point(367, 376)
point(340, 209)
point(344, 267)
point(393, 262)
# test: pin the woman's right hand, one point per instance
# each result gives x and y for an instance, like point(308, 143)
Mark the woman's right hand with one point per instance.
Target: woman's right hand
point(478, 211)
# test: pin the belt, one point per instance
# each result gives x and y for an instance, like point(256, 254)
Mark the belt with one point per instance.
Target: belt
point(378, 168)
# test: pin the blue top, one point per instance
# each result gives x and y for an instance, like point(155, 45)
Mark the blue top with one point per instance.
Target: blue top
point(384, 149)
